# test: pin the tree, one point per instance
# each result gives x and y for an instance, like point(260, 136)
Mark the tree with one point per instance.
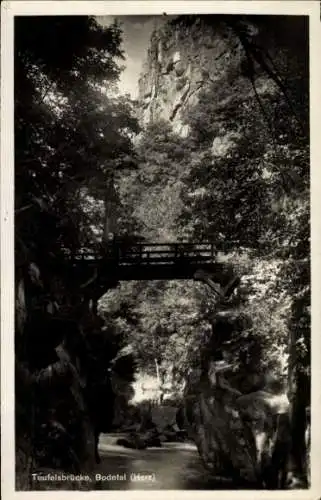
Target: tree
point(71, 134)
point(72, 145)
point(249, 184)
point(241, 179)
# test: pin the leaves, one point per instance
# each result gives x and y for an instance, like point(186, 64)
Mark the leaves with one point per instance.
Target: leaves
point(240, 179)
point(71, 132)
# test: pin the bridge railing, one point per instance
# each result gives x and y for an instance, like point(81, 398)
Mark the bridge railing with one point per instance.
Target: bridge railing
point(157, 253)
point(149, 253)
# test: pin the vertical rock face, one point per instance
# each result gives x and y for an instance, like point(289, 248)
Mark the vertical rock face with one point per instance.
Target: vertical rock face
point(185, 56)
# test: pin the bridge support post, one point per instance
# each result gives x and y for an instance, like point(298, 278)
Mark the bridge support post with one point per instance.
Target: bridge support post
point(221, 291)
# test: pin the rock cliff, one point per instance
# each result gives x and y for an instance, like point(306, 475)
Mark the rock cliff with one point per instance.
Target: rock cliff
point(185, 56)
point(189, 54)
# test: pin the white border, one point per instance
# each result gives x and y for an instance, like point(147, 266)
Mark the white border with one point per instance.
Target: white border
point(98, 8)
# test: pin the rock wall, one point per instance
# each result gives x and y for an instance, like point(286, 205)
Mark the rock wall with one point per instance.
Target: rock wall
point(184, 58)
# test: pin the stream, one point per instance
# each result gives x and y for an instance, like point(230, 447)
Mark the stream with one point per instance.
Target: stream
point(175, 466)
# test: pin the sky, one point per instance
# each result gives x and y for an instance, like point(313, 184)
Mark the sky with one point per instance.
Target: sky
point(136, 35)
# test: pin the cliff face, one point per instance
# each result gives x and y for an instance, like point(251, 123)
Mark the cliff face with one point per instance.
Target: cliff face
point(184, 58)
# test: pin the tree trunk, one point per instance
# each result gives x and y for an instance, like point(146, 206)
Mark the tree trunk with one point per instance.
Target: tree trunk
point(299, 392)
point(111, 204)
point(159, 382)
point(300, 401)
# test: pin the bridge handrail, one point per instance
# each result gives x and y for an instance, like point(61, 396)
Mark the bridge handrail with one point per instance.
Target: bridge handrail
point(150, 252)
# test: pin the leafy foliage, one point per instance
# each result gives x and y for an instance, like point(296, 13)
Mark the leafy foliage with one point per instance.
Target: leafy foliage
point(72, 133)
point(67, 148)
point(240, 179)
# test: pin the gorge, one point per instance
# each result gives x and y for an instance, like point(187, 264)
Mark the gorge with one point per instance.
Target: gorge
point(216, 148)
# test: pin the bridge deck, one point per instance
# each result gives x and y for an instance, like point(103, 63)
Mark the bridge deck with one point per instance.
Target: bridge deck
point(164, 272)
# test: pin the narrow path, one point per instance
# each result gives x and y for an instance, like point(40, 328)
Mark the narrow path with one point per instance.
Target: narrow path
point(175, 466)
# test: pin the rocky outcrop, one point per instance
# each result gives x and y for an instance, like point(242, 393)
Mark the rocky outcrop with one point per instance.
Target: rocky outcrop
point(55, 358)
point(183, 59)
point(150, 426)
point(190, 54)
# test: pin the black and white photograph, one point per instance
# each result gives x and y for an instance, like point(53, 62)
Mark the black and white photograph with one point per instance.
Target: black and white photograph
point(162, 284)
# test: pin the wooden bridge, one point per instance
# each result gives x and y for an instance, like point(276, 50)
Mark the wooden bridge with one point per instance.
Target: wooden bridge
point(156, 261)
